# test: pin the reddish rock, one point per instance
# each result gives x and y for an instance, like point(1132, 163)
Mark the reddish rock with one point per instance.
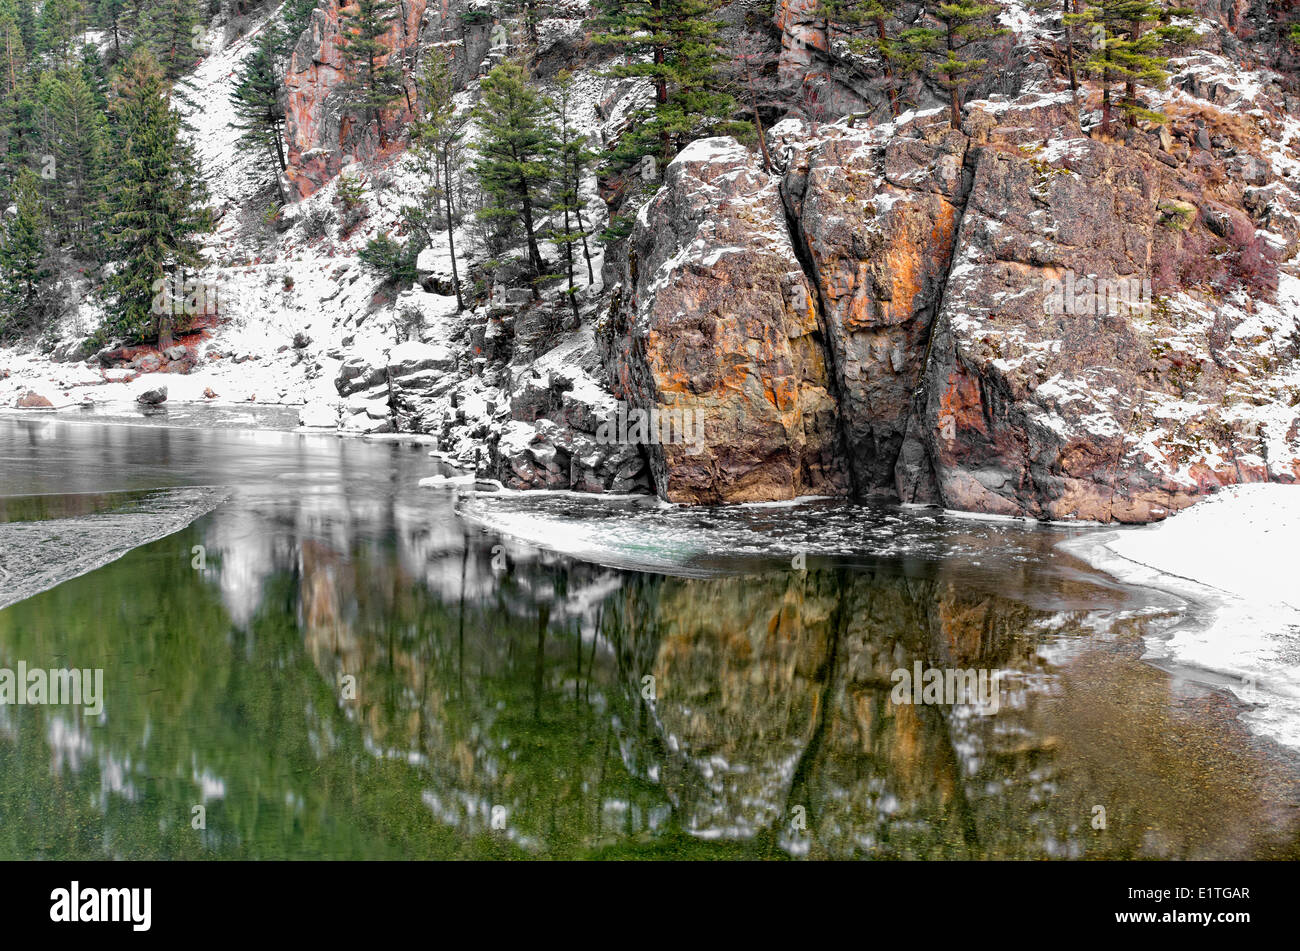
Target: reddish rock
point(929, 323)
point(33, 400)
point(1092, 410)
point(879, 247)
point(719, 326)
point(320, 132)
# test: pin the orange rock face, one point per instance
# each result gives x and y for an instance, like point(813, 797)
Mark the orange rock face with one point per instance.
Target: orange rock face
point(321, 130)
point(33, 400)
point(879, 247)
point(719, 330)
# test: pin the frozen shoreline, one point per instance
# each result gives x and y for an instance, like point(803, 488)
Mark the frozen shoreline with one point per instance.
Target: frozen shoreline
point(1232, 556)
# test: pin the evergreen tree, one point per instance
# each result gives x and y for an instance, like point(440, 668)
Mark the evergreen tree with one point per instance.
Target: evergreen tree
point(862, 24)
point(78, 146)
point(944, 49)
point(373, 86)
point(515, 151)
point(24, 271)
point(60, 21)
point(295, 17)
point(13, 49)
point(156, 196)
point(258, 102)
point(437, 145)
point(674, 45)
point(1135, 35)
point(572, 159)
point(112, 17)
point(96, 76)
point(27, 23)
point(169, 29)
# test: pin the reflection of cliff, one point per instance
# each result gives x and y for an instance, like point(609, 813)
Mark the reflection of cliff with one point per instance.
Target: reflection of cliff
point(771, 692)
point(776, 689)
point(497, 676)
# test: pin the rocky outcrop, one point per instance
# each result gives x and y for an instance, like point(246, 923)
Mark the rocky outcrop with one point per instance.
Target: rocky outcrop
point(322, 133)
point(1015, 318)
point(1069, 376)
point(875, 217)
point(558, 437)
point(716, 334)
point(804, 65)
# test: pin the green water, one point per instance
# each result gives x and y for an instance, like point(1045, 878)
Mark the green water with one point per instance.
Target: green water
point(357, 671)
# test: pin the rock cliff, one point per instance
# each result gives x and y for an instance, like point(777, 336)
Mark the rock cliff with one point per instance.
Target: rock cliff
point(1015, 318)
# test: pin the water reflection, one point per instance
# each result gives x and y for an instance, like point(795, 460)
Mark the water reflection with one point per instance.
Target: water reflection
point(359, 672)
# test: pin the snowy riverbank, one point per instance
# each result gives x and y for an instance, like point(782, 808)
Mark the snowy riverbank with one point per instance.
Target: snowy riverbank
point(1233, 556)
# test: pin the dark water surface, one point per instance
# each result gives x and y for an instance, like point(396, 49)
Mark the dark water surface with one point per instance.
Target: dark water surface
point(362, 668)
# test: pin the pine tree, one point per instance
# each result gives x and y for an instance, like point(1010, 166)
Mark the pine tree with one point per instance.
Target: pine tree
point(572, 159)
point(945, 49)
point(79, 151)
point(27, 23)
point(515, 151)
point(96, 76)
point(437, 145)
point(169, 29)
point(112, 16)
point(23, 260)
point(59, 22)
point(863, 23)
point(78, 145)
point(156, 196)
point(373, 86)
point(257, 98)
point(13, 50)
point(674, 45)
point(1135, 35)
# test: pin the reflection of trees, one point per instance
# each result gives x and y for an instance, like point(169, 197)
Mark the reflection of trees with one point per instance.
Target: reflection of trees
point(522, 688)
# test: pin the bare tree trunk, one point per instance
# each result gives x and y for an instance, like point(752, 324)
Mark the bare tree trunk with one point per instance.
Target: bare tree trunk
point(568, 262)
point(889, 68)
point(451, 232)
point(1069, 50)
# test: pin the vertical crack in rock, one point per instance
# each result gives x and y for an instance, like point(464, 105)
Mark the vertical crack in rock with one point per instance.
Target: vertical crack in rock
point(720, 339)
point(810, 272)
point(874, 214)
point(914, 473)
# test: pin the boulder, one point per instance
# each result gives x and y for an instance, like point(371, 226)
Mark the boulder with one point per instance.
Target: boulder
point(33, 400)
point(413, 357)
point(358, 373)
point(153, 397)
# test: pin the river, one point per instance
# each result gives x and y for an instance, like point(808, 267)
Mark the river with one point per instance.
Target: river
point(306, 654)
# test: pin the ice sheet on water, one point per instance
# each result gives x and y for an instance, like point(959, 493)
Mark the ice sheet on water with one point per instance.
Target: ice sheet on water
point(38, 554)
point(646, 535)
